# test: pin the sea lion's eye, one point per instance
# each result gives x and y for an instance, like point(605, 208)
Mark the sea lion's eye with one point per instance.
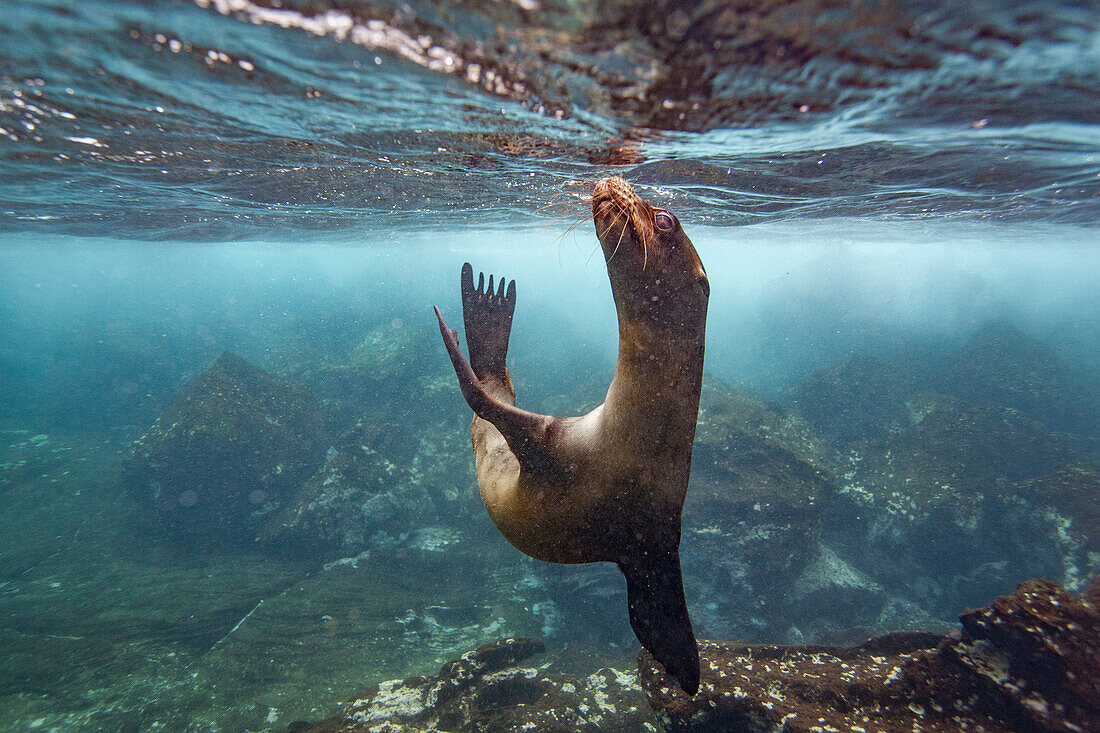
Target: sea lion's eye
point(664, 221)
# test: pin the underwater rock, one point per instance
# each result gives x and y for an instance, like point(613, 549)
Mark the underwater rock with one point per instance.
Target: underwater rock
point(1066, 504)
point(367, 494)
point(1029, 662)
point(1001, 365)
point(857, 400)
point(584, 606)
point(932, 509)
point(232, 447)
point(487, 690)
point(1033, 656)
point(393, 370)
point(753, 512)
point(768, 687)
point(831, 597)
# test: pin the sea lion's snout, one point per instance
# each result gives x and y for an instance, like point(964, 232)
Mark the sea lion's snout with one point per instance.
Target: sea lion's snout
point(655, 272)
point(621, 219)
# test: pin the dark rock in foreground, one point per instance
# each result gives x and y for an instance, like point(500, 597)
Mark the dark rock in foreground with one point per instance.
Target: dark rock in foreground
point(232, 447)
point(1031, 662)
point(487, 690)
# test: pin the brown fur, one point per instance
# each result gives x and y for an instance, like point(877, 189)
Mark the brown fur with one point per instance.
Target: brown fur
point(610, 485)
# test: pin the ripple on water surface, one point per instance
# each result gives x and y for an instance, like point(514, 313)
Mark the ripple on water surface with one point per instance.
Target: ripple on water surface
point(230, 118)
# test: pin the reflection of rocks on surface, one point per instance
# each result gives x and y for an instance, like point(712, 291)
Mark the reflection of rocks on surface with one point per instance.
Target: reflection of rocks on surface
point(487, 690)
point(752, 516)
point(234, 444)
point(1030, 662)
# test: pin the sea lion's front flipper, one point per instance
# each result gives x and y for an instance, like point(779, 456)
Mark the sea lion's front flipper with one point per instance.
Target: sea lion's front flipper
point(527, 433)
point(659, 615)
point(488, 318)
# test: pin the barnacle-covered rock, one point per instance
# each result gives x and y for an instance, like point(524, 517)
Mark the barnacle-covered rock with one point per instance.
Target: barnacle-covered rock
point(487, 690)
point(767, 687)
point(1031, 662)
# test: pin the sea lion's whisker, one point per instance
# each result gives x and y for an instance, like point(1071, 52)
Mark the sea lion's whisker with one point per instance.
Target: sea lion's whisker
point(613, 221)
point(621, 235)
point(565, 216)
point(556, 205)
point(575, 224)
point(592, 254)
point(616, 250)
point(560, 239)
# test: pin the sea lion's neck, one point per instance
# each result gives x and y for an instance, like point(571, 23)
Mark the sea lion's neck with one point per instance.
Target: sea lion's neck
point(656, 387)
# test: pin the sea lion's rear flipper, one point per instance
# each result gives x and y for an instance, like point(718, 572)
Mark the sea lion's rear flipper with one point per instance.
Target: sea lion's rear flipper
point(659, 615)
point(488, 319)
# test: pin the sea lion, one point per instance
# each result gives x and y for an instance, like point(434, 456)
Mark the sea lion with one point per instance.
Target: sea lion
point(609, 485)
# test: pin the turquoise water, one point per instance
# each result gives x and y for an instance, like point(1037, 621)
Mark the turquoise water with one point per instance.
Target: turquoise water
point(897, 209)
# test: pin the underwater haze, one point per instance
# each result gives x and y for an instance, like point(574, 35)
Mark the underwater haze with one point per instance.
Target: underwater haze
point(236, 484)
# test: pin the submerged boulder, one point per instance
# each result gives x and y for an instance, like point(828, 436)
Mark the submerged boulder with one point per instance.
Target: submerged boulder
point(1029, 662)
point(831, 599)
point(368, 493)
point(931, 512)
point(397, 369)
point(1001, 365)
point(234, 444)
point(487, 689)
point(857, 400)
point(753, 513)
point(1065, 504)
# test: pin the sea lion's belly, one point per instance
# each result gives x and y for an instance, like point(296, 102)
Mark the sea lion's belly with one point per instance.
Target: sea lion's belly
point(578, 520)
point(563, 524)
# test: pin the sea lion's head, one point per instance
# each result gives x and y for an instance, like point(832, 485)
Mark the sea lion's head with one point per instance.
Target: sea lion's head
point(656, 275)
